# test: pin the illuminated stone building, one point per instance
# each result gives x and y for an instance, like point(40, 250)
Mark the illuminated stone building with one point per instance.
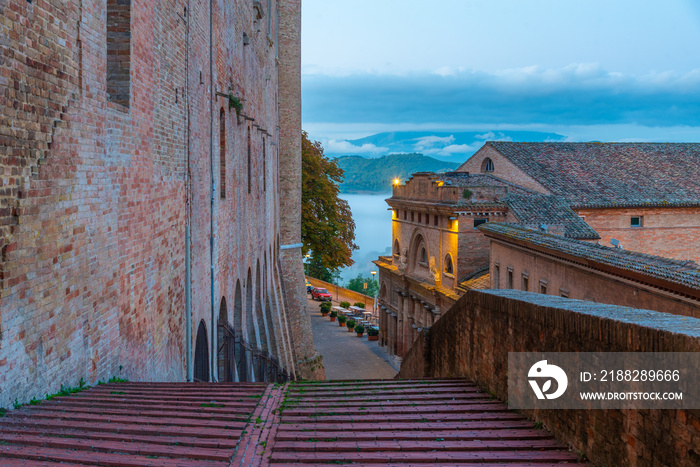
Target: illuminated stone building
point(579, 192)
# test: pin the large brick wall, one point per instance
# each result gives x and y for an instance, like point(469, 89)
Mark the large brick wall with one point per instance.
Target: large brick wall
point(95, 195)
point(306, 357)
point(473, 339)
point(668, 232)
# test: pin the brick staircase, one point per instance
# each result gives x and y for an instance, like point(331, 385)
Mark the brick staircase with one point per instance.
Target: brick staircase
point(132, 424)
point(325, 423)
point(406, 422)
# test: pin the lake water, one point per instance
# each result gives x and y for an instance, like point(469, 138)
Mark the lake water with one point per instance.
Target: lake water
point(372, 232)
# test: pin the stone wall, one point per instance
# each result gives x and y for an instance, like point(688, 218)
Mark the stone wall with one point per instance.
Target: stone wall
point(354, 296)
point(473, 339)
point(96, 193)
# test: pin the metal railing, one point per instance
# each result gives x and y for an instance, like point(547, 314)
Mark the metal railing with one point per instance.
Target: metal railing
point(246, 362)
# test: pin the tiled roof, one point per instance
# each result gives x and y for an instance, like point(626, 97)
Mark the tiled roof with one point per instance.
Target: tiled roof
point(612, 174)
point(685, 273)
point(479, 281)
point(533, 210)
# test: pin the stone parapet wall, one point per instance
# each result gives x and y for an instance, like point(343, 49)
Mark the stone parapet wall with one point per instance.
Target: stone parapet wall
point(355, 296)
point(472, 340)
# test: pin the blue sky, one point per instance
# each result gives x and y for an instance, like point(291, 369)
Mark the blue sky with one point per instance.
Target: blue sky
point(614, 70)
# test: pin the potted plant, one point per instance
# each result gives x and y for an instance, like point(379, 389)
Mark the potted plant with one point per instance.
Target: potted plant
point(341, 320)
point(345, 305)
point(334, 315)
point(325, 308)
point(359, 304)
point(350, 324)
point(372, 334)
point(360, 329)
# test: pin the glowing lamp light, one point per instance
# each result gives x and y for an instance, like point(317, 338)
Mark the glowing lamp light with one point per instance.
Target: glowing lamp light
point(396, 181)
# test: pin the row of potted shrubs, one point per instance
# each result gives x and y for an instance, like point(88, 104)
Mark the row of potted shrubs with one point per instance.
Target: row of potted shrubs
point(372, 334)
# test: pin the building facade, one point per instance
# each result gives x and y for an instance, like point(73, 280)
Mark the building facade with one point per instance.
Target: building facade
point(535, 261)
point(627, 194)
point(141, 167)
point(645, 196)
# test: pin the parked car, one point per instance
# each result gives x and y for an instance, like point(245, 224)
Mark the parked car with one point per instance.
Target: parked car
point(319, 293)
point(309, 287)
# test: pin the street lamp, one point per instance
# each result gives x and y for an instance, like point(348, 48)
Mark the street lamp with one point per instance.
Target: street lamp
point(337, 280)
point(306, 264)
point(374, 304)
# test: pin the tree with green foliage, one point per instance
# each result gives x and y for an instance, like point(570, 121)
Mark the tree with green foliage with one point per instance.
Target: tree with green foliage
point(327, 226)
point(358, 285)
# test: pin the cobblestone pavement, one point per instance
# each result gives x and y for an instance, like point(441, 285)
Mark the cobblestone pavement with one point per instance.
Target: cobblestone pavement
point(346, 356)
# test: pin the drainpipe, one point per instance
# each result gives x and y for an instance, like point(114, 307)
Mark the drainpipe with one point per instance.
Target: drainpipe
point(188, 218)
point(214, 376)
point(188, 304)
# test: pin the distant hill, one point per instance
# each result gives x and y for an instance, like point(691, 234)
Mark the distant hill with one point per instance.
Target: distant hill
point(364, 175)
point(453, 146)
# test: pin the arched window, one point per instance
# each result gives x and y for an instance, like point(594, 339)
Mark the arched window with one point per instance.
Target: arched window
point(397, 248)
point(448, 264)
point(418, 253)
point(487, 165)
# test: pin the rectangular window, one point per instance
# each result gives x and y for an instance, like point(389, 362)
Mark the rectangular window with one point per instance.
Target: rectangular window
point(636, 221)
point(435, 221)
point(405, 214)
point(412, 216)
point(510, 278)
point(543, 287)
point(564, 293)
point(222, 154)
point(496, 276)
point(526, 282)
point(119, 51)
point(250, 168)
point(478, 222)
point(419, 218)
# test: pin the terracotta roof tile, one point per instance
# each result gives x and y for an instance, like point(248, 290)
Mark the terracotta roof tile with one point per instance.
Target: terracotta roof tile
point(612, 174)
point(534, 210)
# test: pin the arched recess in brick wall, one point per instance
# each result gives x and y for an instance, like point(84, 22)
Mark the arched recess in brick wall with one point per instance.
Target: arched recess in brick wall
point(382, 291)
point(225, 357)
point(261, 322)
point(238, 349)
point(249, 334)
point(201, 354)
point(270, 311)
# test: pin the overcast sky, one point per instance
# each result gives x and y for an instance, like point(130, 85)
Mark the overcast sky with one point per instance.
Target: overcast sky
point(611, 70)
